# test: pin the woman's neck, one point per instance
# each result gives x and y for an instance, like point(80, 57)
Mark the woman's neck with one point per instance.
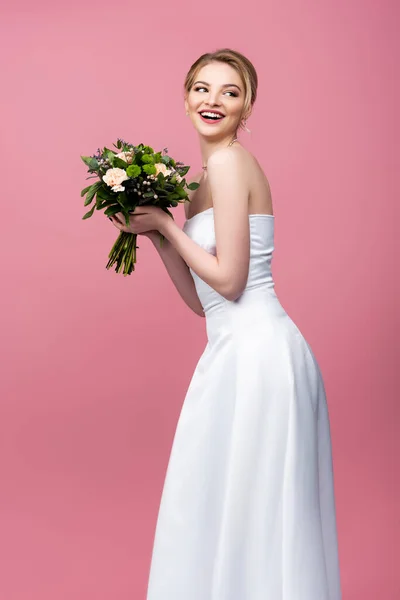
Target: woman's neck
point(208, 147)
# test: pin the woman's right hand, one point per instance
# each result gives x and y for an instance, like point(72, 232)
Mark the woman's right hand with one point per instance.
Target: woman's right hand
point(151, 233)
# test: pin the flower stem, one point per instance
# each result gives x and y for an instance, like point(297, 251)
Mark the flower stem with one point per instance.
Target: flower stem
point(123, 253)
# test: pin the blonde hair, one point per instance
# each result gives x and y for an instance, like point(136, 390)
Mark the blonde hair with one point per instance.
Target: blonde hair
point(237, 61)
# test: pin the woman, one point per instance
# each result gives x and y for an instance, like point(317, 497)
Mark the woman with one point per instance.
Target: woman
point(248, 510)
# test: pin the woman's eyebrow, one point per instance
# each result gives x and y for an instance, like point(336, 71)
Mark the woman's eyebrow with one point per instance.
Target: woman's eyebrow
point(225, 84)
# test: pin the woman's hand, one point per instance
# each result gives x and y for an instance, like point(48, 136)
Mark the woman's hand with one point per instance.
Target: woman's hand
point(143, 220)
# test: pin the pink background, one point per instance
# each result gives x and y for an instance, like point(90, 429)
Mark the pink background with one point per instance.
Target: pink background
point(94, 366)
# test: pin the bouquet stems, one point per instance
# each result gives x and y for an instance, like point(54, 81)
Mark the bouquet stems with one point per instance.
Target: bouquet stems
point(123, 253)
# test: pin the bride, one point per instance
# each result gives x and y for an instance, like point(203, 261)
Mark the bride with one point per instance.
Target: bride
point(248, 509)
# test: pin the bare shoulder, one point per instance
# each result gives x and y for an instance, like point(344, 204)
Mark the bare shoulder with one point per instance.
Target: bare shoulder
point(233, 157)
point(232, 163)
point(237, 165)
point(193, 179)
point(237, 156)
point(228, 157)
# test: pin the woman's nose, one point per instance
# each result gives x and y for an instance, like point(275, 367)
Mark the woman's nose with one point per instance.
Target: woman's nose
point(212, 100)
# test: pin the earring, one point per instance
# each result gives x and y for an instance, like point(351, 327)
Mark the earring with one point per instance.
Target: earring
point(244, 123)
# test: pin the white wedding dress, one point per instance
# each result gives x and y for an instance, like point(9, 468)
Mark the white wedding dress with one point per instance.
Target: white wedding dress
point(248, 510)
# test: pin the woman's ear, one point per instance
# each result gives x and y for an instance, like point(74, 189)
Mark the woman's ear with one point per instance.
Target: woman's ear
point(247, 114)
point(186, 105)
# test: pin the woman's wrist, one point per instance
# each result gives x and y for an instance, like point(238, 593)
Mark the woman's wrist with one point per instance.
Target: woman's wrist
point(153, 235)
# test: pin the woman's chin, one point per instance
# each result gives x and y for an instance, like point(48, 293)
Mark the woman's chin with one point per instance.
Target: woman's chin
point(213, 133)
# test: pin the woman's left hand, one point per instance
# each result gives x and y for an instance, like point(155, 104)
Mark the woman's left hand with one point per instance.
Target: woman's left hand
point(142, 219)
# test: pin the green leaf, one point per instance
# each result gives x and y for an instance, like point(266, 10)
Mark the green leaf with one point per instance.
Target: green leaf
point(85, 190)
point(182, 170)
point(89, 214)
point(133, 171)
point(105, 193)
point(122, 199)
point(101, 205)
point(193, 185)
point(112, 210)
point(166, 159)
point(120, 163)
point(90, 162)
point(92, 191)
point(181, 192)
point(161, 191)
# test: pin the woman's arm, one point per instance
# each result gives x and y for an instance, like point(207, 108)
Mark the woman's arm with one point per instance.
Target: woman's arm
point(178, 272)
point(227, 272)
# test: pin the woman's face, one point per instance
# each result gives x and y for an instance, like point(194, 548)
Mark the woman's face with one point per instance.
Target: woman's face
point(216, 100)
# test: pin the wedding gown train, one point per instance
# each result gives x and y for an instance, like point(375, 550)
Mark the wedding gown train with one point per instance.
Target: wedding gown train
point(248, 510)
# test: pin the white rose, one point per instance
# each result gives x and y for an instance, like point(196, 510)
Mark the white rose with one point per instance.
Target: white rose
point(114, 178)
point(126, 156)
point(161, 168)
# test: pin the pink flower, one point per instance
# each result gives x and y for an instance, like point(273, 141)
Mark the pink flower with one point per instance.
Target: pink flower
point(161, 168)
point(126, 156)
point(114, 178)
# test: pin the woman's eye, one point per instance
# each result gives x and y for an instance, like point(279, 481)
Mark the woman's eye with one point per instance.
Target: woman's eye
point(200, 88)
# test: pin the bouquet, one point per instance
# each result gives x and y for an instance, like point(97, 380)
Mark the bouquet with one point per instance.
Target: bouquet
point(130, 177)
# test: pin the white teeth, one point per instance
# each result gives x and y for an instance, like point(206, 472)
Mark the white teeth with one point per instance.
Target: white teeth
point(210, 114)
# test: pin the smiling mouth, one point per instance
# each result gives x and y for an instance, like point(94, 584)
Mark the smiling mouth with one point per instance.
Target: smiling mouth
point(211, 116)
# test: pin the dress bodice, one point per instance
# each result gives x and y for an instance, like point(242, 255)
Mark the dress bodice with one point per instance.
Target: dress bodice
point(200, 228)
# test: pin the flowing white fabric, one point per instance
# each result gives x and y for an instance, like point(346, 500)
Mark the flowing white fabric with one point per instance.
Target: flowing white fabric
point(248, 510)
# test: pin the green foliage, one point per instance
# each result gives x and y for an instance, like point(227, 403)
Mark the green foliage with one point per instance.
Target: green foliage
point(105, 193)
point(182, 170)
point(102, 204)
point(85, 190)
point(149, 169)
point(91, 191)
point(90, 162)
point(123, 200)
point(133, 171)
point(119, 163)
point(169, 192)
point(112, 210)
point(89, 214)
point(181, 192)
